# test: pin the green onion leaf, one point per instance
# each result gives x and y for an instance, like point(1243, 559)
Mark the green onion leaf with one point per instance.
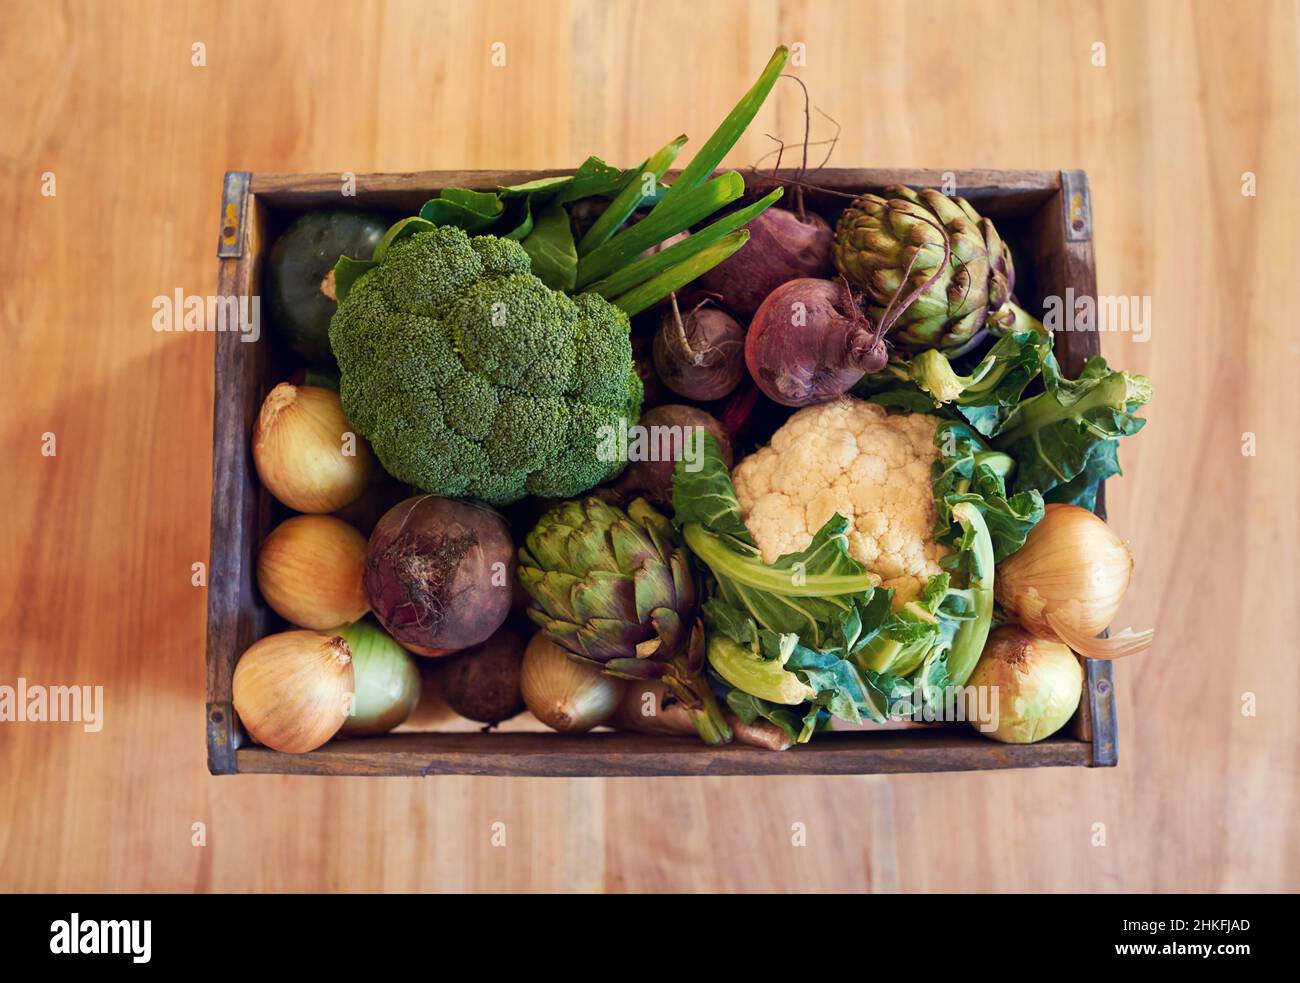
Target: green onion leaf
point(643, 269)
point(724, 138)
point(690, 208)
point(630, 198)
point(652, 291)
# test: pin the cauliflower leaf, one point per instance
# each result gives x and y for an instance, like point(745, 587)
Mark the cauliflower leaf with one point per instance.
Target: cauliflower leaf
point(819, 614)
point(812, 593)
point(816, 613)
point(1063, 439)
point(968, 471)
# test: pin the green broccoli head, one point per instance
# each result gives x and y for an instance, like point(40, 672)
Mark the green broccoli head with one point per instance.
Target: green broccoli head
point(470, 377)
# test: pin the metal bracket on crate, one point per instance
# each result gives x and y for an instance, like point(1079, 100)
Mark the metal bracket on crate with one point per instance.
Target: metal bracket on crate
point(223, 739)
point(1099, 684)
point(234, 206)
point(1078, 206)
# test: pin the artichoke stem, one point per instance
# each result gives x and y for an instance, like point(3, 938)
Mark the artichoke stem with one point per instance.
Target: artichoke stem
point(698, 699)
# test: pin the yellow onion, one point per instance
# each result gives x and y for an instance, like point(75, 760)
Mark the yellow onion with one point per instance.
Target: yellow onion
point(293, 690)
point(565, 695)
point(387, 683)
point(306, 453)
point(1038, 684)
point(1067, 582)
point(310, 571)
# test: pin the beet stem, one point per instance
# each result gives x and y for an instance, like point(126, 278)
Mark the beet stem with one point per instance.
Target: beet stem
point(833, 141)
point(803, 164)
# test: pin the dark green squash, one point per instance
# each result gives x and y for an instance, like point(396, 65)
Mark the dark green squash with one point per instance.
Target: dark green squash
point(300, 260)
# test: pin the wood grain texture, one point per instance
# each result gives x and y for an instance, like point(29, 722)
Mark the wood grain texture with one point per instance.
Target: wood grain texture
point(98, 541)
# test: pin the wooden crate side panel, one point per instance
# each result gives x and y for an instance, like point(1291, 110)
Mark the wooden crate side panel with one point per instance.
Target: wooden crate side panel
point(236, 618)
point(277, 186)
point(998, 191)
point(606, 754)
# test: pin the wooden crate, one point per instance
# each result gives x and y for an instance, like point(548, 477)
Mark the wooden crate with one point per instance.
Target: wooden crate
point(1044, 215)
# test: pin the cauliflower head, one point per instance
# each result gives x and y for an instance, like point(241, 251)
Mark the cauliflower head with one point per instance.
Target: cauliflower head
point(471, 377)
point(850, 457)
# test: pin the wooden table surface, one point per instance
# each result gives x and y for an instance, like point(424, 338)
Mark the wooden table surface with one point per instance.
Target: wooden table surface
point(98, 540)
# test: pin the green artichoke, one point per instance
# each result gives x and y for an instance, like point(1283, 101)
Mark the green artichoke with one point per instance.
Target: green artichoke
point(615, 588)
point(882, 244)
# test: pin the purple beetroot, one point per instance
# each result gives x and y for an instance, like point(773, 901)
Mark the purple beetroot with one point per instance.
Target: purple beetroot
point(783, 246)
point(810, 342)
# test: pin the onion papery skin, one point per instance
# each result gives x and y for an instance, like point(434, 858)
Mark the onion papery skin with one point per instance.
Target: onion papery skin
point(667, 714)
point(309, 571)
point(292, 690)
point(1072, 565)
point(299, 444)
point(1038, 682)
point(564, 695)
